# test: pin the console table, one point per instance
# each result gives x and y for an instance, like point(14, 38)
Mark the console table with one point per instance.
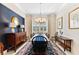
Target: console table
point(64, 42)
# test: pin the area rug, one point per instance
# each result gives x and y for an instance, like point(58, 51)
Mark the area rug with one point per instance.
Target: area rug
point(51, 49)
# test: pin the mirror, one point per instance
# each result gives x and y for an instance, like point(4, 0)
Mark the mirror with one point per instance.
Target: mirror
point(14, 23)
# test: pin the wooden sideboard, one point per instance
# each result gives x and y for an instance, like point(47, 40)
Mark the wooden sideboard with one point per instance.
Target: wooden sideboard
point(16, 38)
point(1, 48)
point(64, 42)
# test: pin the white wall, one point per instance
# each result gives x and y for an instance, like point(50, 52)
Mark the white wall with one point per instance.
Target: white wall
point(70, 33)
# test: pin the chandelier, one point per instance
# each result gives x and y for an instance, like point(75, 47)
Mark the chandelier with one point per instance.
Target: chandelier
point(40, 19)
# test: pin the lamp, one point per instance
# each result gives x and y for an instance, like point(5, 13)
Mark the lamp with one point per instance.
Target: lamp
point(40, 19)
point(22, 26)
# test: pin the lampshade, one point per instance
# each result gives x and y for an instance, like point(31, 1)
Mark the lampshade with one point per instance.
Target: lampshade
point(22, 26)
point(12, 25)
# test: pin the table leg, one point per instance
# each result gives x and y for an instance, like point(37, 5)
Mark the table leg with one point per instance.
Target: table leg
point(1, 51)
point(64, 45)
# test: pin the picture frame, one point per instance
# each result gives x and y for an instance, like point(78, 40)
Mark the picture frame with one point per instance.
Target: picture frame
point(60, 23)
point(74, 19)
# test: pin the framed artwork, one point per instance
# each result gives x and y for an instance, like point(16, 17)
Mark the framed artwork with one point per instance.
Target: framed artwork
point(60, 23)
point(74, 19)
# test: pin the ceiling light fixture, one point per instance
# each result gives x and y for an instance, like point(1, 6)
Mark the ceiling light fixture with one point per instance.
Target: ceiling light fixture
point(40, 12)
point(40, 19)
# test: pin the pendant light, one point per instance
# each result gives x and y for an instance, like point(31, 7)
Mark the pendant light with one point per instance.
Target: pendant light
point(40, 13)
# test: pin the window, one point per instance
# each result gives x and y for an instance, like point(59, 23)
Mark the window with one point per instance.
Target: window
point(39, 25)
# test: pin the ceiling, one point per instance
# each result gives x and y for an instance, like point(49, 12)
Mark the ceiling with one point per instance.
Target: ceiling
point(37, 8)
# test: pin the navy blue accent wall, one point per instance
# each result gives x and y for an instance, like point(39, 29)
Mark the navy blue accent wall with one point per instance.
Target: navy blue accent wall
point(5, 18)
